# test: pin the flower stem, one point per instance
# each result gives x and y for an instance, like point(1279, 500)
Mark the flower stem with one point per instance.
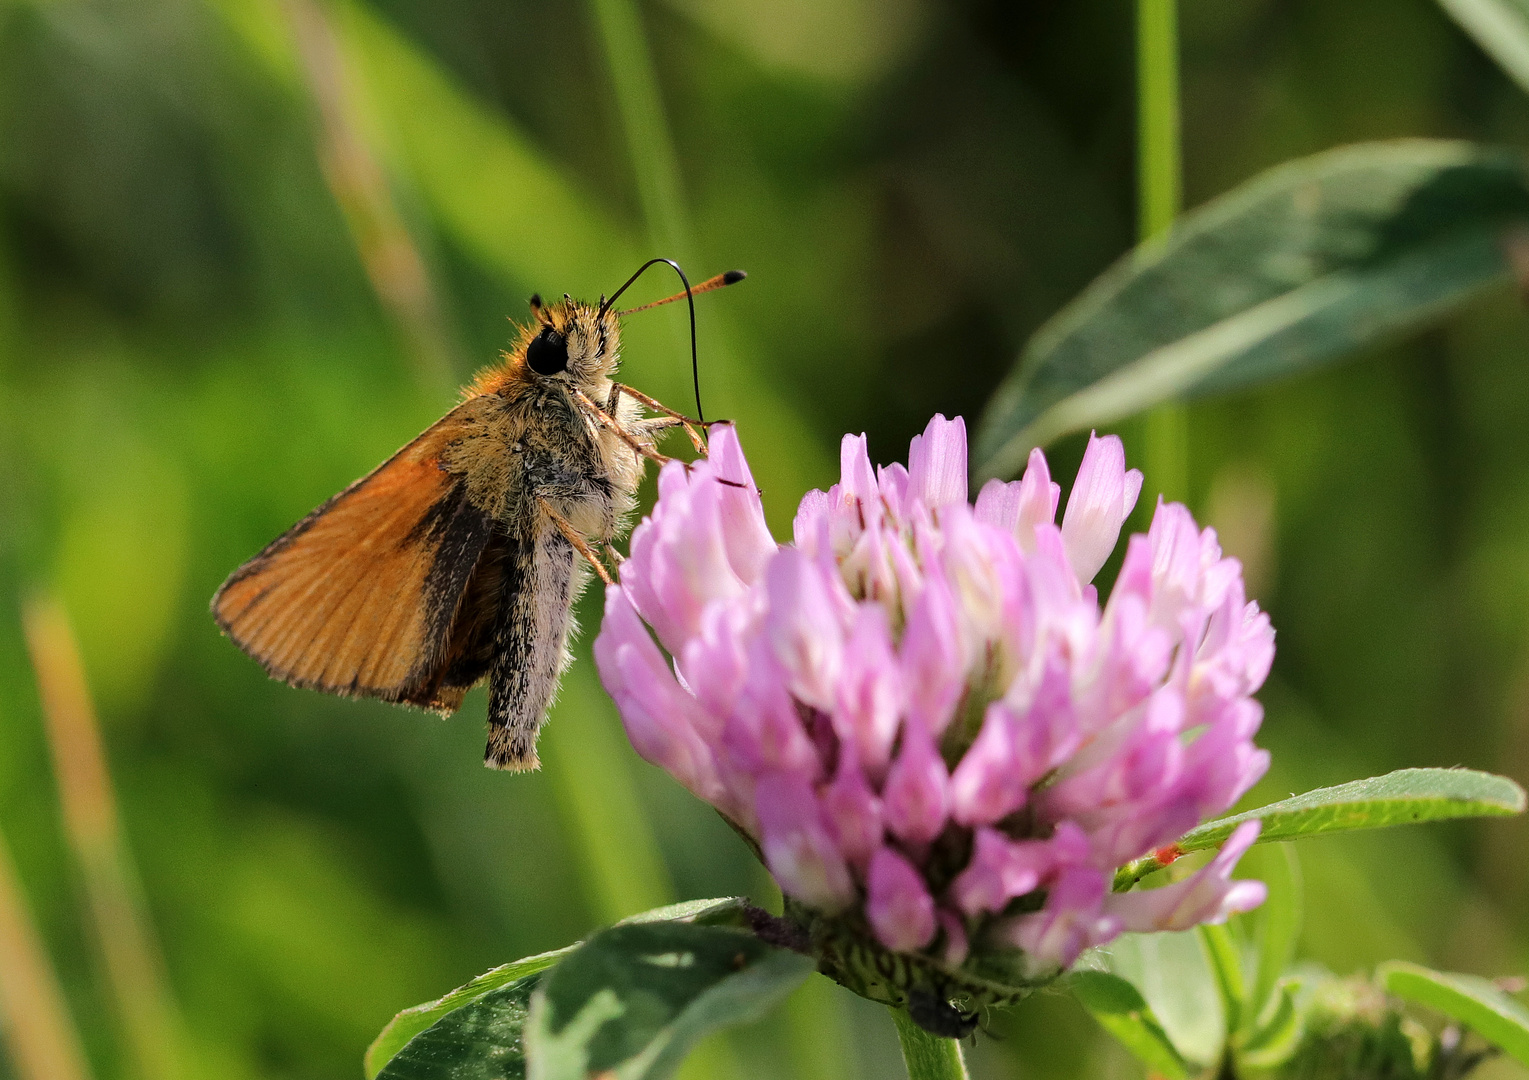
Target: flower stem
point(1159, 172)
point(928, 1057)
point(1158, 155)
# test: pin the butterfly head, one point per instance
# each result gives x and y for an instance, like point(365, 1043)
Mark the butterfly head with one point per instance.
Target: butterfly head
point(570, 341)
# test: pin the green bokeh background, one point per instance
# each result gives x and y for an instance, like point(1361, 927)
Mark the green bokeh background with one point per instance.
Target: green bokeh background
point(192, 356)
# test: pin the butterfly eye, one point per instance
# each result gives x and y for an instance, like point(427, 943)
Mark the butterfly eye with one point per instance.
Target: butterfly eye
point(548, 353)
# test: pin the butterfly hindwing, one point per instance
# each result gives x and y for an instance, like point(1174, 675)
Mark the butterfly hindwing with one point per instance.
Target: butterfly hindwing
point(472, 641)
point(362, 595)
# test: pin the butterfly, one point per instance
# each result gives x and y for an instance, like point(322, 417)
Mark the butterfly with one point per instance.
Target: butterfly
point(459, 559)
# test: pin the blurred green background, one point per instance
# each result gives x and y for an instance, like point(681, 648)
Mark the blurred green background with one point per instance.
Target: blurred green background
point(249, 247)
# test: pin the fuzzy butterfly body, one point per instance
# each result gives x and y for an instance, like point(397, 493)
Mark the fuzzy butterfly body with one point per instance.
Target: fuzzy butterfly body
point(459, 558)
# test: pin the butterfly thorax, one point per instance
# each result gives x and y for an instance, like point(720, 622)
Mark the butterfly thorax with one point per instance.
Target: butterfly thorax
point(530, 435)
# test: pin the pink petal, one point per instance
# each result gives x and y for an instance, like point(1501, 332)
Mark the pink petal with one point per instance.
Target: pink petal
point(1071, 921)
point(857, 482)
point(998, 504)
point(937, 463)
point(764, 732)
point(714, 663)
point(811, 527)
point(869, 696)
point(956, 947)
point(915, 797)
point(1102, 498)
point(1019, 506)
point(664, 722)
point(898, 905)
point(741, 514)
point(987, 783)
point(1000, 869)
point(931, 656)
point(853, 811)
point(806, 625)
point(679, 557)
point(895, 491)
point(1147, 761)
point(797, 844)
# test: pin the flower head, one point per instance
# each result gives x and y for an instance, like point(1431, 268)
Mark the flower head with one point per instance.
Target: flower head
point(920, 711)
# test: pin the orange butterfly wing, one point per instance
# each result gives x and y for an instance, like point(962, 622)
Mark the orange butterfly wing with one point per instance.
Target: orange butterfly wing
point(360, 597)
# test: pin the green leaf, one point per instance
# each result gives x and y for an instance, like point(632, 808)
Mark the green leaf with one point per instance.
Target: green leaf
point(480, 1040)
point(1404, 797)
point(1472, 1001)
point(633, 999)
point(1173, 975)
point(409, 1023)
point(1501, 28)
point(1278, 919)
point(724, 911)
point(1124, 1013)
point(1294, 268)
point(727, 911)
point(1226, 965)
point(1276, 1040)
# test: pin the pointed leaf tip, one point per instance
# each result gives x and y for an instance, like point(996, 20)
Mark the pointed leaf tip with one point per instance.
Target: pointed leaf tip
point(1298, 267)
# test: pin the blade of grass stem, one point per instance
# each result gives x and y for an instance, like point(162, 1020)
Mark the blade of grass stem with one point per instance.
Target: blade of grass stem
point(360, 187)
point(1159, 171)
point(624, 870)
point(134, 964)
point(644, 123)
point(38, 1032)
point(818, 1045)
point(641, 105)
point(1159, 193)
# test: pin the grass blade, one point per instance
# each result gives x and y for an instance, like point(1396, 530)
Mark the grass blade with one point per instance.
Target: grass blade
point(1226, 966)
point(643, 120)
point(134, 965)
point(37, 1028)
point(1278, 921)
point(389, 256)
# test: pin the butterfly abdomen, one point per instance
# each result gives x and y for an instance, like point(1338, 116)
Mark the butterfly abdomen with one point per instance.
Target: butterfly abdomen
point(531, 645)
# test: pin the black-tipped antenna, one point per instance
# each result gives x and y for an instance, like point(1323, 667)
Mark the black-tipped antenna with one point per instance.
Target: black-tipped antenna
point(695, 363)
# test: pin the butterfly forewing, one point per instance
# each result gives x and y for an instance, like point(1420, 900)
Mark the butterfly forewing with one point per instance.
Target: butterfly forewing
point(360, 597)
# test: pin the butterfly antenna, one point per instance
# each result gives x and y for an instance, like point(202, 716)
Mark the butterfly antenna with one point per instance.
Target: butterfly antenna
point(689, 294)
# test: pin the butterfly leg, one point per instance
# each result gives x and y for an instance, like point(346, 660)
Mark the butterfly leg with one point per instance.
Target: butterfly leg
point(688, 423)
point(579, 543)
point(606, 420)
point(659, 407)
